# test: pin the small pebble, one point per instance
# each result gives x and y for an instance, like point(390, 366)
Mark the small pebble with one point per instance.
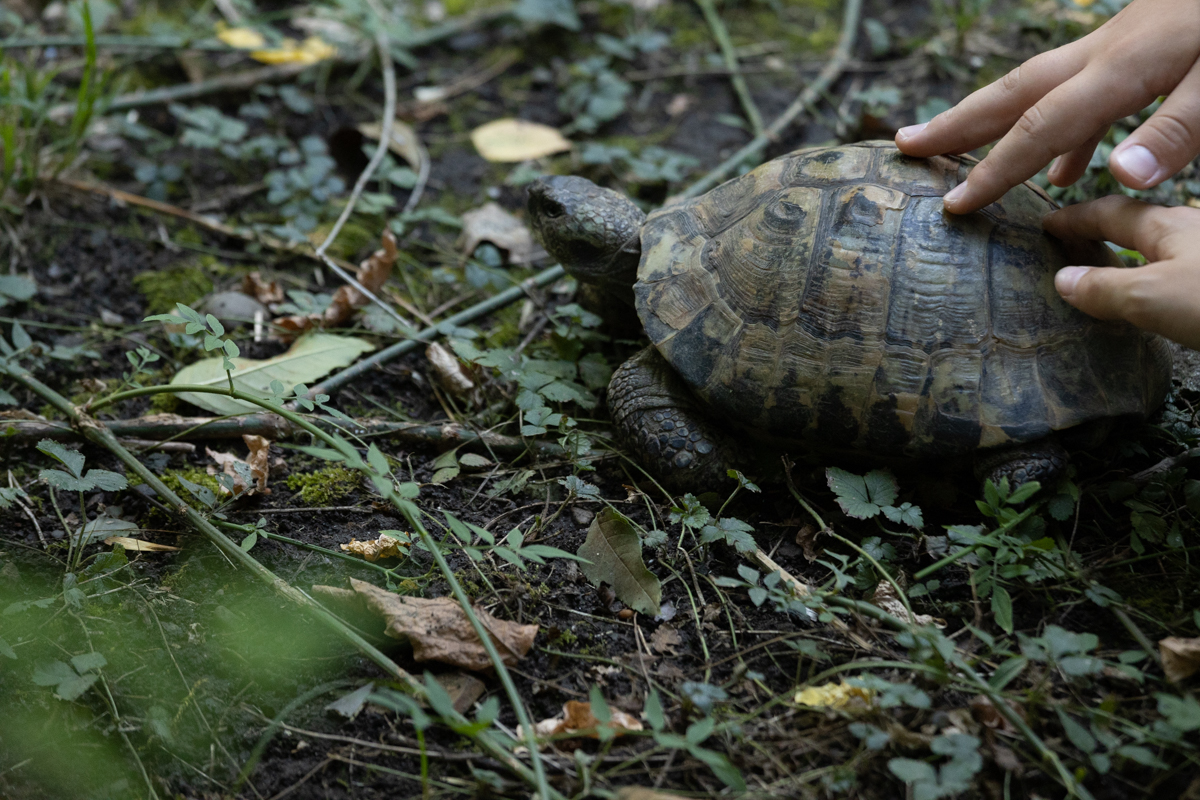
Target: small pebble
point(625, 613)
point(57, 533)
point(582, 516)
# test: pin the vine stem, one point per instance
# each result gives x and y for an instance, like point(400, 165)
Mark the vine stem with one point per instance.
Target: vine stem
point(97, 433)
point(721, 34)
point(986, 541)
point(829, 73)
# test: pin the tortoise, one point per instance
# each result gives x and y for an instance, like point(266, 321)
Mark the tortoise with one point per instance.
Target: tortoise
point(826, 301)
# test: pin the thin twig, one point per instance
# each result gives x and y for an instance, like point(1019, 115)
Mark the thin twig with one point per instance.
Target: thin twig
point(381, 151)
point(721, 34)
point(831, 72)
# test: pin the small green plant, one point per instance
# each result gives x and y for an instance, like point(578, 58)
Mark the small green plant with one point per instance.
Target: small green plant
point(74, 479)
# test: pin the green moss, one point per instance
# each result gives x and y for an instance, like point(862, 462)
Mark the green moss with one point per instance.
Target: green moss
point(325, 486)
point(172, 478)
point(165, 403)
point(164, 288)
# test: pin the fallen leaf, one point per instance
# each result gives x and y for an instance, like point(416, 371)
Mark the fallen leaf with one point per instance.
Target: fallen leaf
point(614, 556)
point(372, 274)
point(348, 705)
point(986, 714)
point(463, 689)
point(404, 142)
point(375, 549)
point(806, 537)
point(1180, 657)
point(266, 292)
point(491, 223)
point(834, 695)
point(666, 640)
point(311, 51)
point(255, 464)
point(577, 717)
point(309, 359)
point(885, 597)
point(450, 372)
point(139, 545)
point(510, 140)
point(439, 630)
point(241, 38)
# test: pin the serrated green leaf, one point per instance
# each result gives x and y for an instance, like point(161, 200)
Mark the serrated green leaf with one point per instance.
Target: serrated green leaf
point(862, 497)
point(52, 673)
point(309, 359)
point(1078, 734)
point(73, 688)
point(71, 459)
point(615, 554)
point(106, 480)
point(905, 514)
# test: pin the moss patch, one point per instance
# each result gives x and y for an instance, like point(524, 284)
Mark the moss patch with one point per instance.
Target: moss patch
point(164, 288)
point(325, 486)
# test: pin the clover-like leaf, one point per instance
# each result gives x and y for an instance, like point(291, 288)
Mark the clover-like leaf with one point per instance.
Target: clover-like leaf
point(862, 496)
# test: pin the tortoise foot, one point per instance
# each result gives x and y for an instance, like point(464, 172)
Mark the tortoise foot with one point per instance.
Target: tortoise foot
point(661, 424)
point(1044, 462)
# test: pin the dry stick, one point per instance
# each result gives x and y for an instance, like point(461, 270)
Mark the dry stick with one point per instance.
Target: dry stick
point(276, 428)
point(385, 137)
point(97, 433)
point(721, 34)
point(833, 69)
point(426, 335)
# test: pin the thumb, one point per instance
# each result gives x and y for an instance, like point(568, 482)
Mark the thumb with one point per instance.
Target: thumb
point(1103, 292)
point(1165, 143)
point(1157, 297)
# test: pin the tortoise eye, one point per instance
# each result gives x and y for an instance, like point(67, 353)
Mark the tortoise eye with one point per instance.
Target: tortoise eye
point(552, 209)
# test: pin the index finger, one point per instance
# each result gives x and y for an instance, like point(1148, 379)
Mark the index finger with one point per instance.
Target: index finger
point(987, 114)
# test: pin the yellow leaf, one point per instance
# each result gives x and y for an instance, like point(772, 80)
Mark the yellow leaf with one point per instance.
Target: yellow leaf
point(138, 544)
point(511, 140)
point(833, 695)
point(241, 38)
point(373, 550)
point(1083, 3)
point(310, 51)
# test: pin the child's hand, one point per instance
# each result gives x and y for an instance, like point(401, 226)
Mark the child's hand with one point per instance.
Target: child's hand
point(1061, 103)
point(1164, 295)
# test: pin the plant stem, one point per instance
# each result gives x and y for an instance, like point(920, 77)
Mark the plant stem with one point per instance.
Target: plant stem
point(721, 34)
point(986, 541)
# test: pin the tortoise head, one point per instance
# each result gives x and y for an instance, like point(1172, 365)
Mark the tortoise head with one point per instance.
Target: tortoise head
point(595, 233)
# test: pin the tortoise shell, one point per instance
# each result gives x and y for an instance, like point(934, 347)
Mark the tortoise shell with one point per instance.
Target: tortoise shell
point(826, 296)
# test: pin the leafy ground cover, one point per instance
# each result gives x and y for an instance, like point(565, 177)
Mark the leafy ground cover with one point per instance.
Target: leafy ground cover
point(438, 576)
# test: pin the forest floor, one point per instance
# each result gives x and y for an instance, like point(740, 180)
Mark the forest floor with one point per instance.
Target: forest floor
point(954, 643)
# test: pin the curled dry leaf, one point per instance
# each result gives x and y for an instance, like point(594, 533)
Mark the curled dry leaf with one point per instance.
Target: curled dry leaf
point(885, 597)
point(265, 292)
point(491, 223)
point(140, 545)
point(666, 640)
point(987, 715)
point(449, 370)
point(577, 717)
point(806, 537)
point(835, 695)
point(375, 549)
point(372, 274)
point(404, 142)
point(439, 630)
point(511, 140)
point(256, 463)
point(1180, 657)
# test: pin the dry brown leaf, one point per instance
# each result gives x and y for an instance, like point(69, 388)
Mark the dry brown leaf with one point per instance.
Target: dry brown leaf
point(986, 714)
point(806, 537)
point(375, 549)
point(577, 716)
point(491, 223)
point(257, 462)
point(450, 372)
point(463, 689)
point(372, 274)
point(263, 291)
point(139, 545)
point(834, 695)
point(885, 597)
point(404, 141)
point(666, 640)
point(511, 140)
point(1180, 657)
point(439, 630)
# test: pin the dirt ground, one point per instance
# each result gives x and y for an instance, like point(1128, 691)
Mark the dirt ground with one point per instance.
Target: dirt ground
point(216, 687)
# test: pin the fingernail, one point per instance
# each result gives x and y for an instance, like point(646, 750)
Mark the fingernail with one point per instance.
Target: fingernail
point(955, 194)
point(911, 130)
point(1067, 278)
point(1138, 162)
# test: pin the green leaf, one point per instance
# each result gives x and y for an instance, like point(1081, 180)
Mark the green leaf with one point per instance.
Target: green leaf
point(61, 480)
point(733, 532)
point(1078, 734)
point(862, 497)
point(71, 459)
point(1182, 713)
point(7, 650)
point(106, 480)
point(1024, 492)
point(653, 711)
point(905, 514)
point(15, 287)
point(615, 554)
point(1008, 670)
point(912, 771)
point(52, 673)
point(105, 526)
point(309, 359)
point(88, 662)
point(249, 542)
point(1002, 608)
point(719, 764)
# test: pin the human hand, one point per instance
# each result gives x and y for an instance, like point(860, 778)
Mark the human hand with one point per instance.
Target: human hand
point(1060, 104)
point(1162, 296)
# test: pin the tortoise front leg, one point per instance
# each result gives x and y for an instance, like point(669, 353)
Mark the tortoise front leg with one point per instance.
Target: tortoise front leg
point(663, 425)
point(1044, 461)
